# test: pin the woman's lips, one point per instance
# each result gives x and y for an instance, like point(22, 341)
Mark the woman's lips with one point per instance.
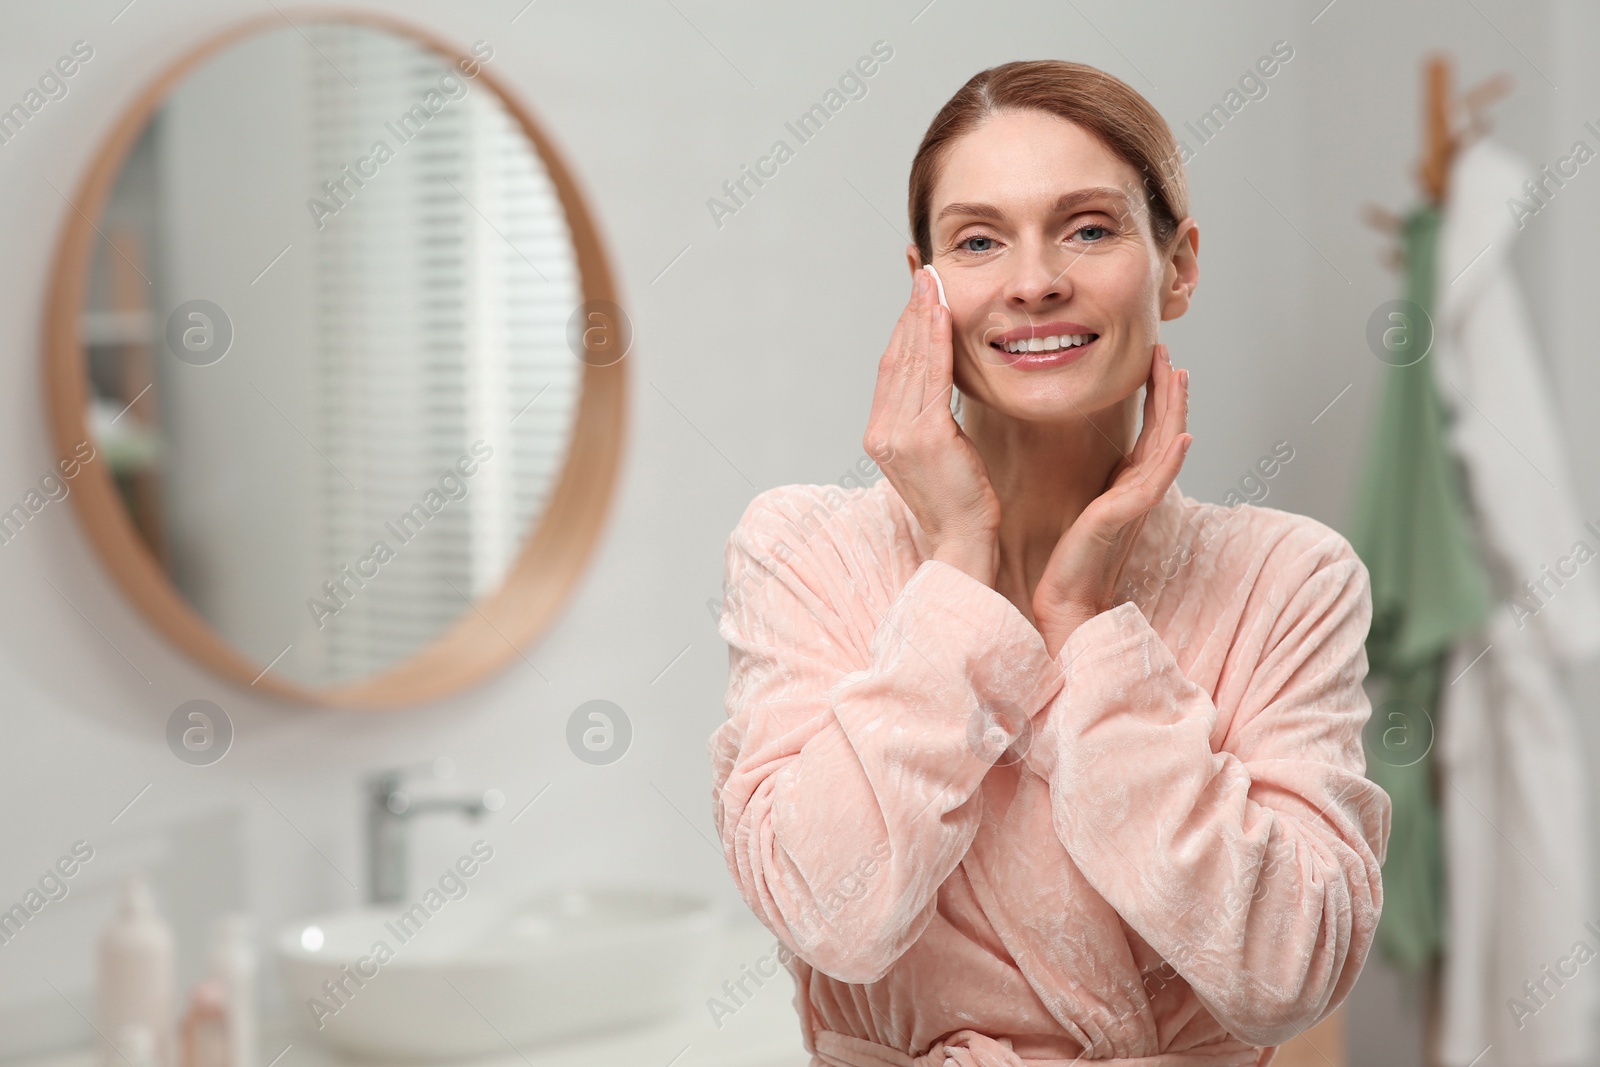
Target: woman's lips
point(1054, 328)
point(1047, 344)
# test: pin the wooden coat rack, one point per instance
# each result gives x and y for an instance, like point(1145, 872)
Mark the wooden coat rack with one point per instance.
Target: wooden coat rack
point(1444, 136)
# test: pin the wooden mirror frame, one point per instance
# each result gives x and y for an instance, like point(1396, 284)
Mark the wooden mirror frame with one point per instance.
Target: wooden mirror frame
point(489, 633)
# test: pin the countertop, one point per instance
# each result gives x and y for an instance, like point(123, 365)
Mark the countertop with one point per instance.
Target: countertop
point(761, 1032)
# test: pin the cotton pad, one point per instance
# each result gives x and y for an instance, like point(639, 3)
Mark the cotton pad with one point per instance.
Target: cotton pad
point(938, 282)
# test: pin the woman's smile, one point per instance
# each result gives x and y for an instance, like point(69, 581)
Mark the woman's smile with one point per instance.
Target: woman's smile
point(1042, 345)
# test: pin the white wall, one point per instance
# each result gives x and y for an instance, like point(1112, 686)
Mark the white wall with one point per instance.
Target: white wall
point(753, 366)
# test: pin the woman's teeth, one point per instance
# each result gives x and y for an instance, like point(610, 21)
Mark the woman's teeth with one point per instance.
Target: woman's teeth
point(1048, 344)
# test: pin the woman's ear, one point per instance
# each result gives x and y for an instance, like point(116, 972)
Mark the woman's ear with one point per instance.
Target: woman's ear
point(914, 258)
point(1181, 272)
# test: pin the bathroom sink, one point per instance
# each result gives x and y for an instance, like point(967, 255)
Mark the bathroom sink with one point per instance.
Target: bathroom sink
point(486, 975)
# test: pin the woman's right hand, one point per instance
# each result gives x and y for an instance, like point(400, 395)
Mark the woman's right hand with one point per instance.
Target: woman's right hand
point(920, 447)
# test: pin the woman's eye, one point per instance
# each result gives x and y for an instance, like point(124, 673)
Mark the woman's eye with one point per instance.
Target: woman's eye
point(988, 243)
point(1093, 233)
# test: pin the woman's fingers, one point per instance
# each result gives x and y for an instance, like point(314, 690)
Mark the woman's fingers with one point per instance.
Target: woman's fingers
point(1178, 407)
point(1164, 456)
point(914, 371)
point(1090, 557)
point(889, 362)
point(1170, 458)
point(940, 357)
point(1156, 404)
point(888, 390)
point(929, 379)
point(1158, 455)
point(1170, 421)
point(1164, 396)
point(917, 372)
point(1173, 462)
point(916, 377)
point(1151, 391)
point(1183, 394)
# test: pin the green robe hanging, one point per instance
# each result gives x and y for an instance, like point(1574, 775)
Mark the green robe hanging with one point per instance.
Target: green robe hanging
point(1429, 589)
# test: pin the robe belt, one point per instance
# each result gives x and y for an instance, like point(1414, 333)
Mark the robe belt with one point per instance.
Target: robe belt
point(968, 1048)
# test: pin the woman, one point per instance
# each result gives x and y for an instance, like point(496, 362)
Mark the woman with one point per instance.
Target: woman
point(1029, 758)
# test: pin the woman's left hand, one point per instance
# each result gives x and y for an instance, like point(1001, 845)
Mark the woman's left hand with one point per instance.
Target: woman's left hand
point(1081, 576)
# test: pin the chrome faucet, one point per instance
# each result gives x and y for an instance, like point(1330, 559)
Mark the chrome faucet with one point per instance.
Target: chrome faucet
point(389, 808)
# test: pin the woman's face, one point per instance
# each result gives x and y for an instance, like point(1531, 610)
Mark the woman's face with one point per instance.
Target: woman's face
point(1042, 238)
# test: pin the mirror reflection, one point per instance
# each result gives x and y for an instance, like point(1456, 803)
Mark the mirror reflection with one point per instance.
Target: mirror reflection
point(327, 336)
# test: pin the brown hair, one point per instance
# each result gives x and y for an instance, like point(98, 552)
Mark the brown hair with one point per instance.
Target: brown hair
point(1101, 103)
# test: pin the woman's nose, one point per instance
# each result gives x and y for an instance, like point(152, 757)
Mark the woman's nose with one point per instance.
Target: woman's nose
point(1039, 279)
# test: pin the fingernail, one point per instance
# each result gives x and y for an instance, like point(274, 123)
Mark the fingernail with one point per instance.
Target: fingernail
point(1185, 375)
point(1186, 445)
point(920, 283)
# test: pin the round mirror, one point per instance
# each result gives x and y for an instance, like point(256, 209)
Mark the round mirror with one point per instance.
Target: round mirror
point(335, 362)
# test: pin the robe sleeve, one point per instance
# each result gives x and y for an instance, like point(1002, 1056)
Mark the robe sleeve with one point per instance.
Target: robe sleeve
point(845, 777)
point(1253, 869)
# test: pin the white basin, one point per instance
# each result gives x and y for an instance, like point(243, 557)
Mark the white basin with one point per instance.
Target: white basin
point(487, 975)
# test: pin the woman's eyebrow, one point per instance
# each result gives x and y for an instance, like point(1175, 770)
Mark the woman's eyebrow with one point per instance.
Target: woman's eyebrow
point(1066, 203)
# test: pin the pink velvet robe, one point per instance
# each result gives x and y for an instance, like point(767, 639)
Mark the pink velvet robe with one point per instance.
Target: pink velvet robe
point(1158, 848)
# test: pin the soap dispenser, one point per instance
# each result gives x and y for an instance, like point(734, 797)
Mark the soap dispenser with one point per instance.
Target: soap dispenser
point(135, 980)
